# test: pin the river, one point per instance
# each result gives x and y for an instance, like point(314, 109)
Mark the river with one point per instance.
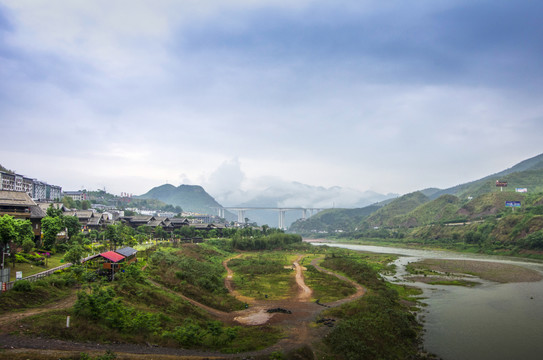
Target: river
point(488, 321)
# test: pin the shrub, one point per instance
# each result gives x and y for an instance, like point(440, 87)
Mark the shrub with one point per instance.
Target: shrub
point(22, 286)
point(27, 245)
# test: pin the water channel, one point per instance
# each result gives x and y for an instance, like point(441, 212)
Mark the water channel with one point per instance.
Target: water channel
point(488, 321)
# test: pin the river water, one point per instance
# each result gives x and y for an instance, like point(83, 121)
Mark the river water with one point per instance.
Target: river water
point(488, 321)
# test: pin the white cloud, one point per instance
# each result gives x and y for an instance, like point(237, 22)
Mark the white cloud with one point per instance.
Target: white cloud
point(141, 93)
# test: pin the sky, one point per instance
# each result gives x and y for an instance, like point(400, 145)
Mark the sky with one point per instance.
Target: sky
point(385, 96)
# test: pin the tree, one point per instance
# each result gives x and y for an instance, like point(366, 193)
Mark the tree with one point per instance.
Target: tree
point(187, 231)
point(85, 204)
point(24, 231)
point(117, 234)
point(73, 225)
point(68, 202)
point(161, 233)
point(8, 232)
point(74, 255)
point(51, 226)
point(53, 211)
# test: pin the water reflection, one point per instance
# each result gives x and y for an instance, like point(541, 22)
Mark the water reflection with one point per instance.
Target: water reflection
point(489, 321)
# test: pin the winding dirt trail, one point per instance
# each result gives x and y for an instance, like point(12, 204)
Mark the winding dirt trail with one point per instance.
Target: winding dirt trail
point(304, 293)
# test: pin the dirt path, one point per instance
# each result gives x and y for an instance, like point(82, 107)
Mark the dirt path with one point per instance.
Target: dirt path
point(7, 320)
point(304, 293)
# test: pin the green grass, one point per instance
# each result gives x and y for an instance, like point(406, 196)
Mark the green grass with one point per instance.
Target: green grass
point(454, 283)
point(327, 288)
point(264, 274)
point(29, 269)
point(195, 271)
point(44, 291)
point(378, 325)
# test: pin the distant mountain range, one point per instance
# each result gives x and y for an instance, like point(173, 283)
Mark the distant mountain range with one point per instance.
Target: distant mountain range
point(470, 201)
point(287, 194)
point(351, 209)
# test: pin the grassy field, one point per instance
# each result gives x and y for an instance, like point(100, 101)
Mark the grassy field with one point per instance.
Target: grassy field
point(265, 275)
point(29, 269)
point(326, 288)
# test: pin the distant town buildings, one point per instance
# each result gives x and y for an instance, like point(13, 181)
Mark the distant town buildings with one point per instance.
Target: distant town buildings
point(37, 190)
point(76, 195)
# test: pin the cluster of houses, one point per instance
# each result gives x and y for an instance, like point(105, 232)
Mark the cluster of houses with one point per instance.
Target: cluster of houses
point(20, 205)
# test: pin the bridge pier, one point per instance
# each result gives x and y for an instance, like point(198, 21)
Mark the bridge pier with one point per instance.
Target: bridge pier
point(281, 219)
point(241, 216)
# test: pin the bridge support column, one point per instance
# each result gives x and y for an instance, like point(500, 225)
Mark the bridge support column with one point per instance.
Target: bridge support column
point(281, 219)
point(304, 214)
point(241, 216)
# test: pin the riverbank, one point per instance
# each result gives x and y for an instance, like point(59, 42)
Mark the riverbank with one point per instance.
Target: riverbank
point(452, 247)
point(492, 320)
point(487, 270)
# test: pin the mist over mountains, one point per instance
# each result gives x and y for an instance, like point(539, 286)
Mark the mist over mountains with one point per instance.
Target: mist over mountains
point(225, 187)
point(195, 198)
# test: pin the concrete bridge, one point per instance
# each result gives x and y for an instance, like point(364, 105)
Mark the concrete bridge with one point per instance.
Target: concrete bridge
point(281, 211)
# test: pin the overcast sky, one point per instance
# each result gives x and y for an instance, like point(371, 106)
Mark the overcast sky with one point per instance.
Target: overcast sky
point(388, 96)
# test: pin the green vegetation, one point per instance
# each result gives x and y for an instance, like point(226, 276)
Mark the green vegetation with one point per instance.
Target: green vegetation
point(402, 205)
point(264, 275)
point(453, 282)
point(331, 220)
point(471, 217)
point(327, 288)
point(195, 271)
point(376, 325)
point(272, 241)
point(38, 293)
point(482, 225)
point(132, 309)
point(146, 304)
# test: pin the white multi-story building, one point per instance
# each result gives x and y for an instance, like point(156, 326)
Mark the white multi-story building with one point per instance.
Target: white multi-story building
point(34, 188)
point(8, 181)
point(54, 192)
point(40, 190)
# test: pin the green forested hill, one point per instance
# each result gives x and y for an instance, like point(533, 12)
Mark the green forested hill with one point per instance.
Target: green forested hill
point(528, 174)
point(442, 209)
point(387, 215)
point(472, 214)
point(332, 220)
point(189, 197)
